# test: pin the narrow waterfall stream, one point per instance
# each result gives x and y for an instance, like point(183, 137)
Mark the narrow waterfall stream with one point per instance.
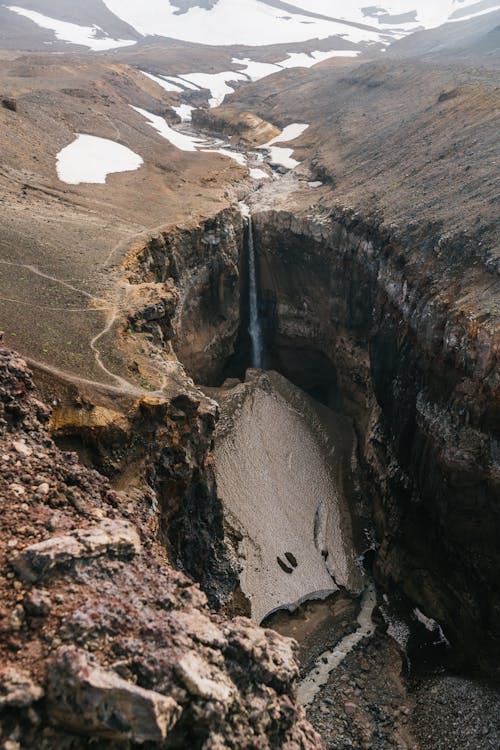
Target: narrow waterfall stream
point(255, 328)
point(254, 324)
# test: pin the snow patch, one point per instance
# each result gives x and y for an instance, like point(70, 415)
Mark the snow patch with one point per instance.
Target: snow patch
point(90, 159)
point(72, 33)
point(258, 174)
point(288, 134)
point(179, 140)
point(186, 142)
point(229, 22)
point(428, 13)
point(184, 111)
point(238, 157)
point(165, 83)
point(216, 83)
point(283, 156)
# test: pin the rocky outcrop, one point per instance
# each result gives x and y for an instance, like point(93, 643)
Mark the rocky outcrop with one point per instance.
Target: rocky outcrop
point(246, 128)
point(199, 265)
point(93, 701)
point(112, 538)
point(112, 647)
point(400, 329)
point(160, 446)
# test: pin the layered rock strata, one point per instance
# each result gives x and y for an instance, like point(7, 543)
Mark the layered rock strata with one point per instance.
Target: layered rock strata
point(199, 266)
point(403, 329)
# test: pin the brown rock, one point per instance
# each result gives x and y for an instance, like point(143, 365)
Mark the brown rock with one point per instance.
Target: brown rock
point(204, 680)
point(8, 102)
point(114, 538)
point(86, 698)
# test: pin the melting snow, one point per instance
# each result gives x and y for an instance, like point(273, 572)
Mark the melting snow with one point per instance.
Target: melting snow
point(283, 156)
point(184, 111)
point(179, 140)
point(288, 134)
point(186, 142)
point(72, 33)
point(257, 70)
point(91, 159)
point(165, 83)
point(235, 155)
point(428, 13)
point(307, 60)
point(216, 83)
point(180, 81)
point(256, 23)
point(258, 174)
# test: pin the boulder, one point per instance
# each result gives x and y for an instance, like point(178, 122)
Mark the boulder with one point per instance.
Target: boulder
point(8, 102)
point(85, 698)
point(203, 680)
point(17, 689)
point(112, 538)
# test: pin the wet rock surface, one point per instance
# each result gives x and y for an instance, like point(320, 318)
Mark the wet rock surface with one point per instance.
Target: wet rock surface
point(383, 696)
point(124, 648)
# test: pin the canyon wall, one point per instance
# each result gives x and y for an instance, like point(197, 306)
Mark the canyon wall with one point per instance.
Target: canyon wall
point(399, 332)
point(200, 263)
point(180, 320)
point(103, 644)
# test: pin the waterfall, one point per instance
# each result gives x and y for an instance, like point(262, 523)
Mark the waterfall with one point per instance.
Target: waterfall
point(254, 327)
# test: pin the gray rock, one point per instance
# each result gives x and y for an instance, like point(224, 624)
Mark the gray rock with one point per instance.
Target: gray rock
point(17, 689)
point(88, 699)
point(204, 680)
point(114, 538)
point(37, 603)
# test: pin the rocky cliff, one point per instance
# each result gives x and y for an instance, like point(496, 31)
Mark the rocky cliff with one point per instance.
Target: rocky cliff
point(199, 266)
point(400, 330)
point(102, 641)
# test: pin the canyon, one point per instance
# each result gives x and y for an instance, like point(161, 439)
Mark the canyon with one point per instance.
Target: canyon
point(257, 398)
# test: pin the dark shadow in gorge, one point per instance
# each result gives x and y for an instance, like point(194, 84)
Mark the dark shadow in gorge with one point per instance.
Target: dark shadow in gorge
point(306, 367)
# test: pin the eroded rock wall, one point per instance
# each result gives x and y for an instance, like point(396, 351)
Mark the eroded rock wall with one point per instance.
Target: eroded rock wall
point(159, 446)
point(199, 264)
point(179, 320)
point(408, 324)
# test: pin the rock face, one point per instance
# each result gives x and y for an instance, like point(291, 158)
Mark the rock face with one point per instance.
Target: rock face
point(113, 648)
point(160, 445)
point(201, 264)
point(93, 701)
point(112, 538)
point(403, 331)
